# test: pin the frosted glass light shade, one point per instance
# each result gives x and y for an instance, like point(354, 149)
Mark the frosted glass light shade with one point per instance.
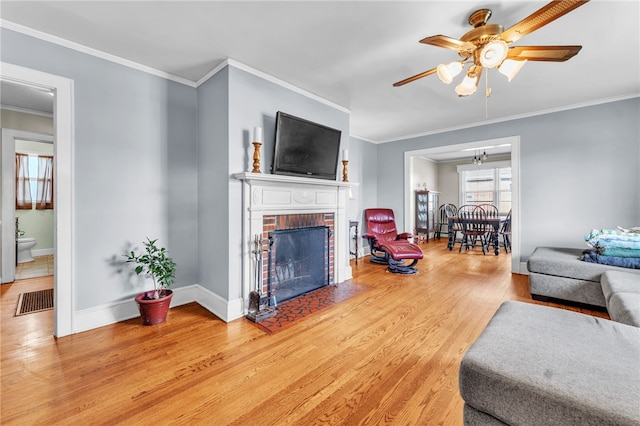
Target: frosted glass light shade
point(468, 86)
point(493, 53)
point(510, 67)
point(447, 72)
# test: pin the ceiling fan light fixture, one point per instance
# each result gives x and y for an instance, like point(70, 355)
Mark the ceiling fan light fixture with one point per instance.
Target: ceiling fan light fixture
point(468, 86)
point(446, 73)
point(511, 67)
point(493, 53)
point(487, 46)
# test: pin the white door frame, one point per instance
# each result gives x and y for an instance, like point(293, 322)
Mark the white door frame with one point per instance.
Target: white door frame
point(516, 266)
point(64, 275)
point(7, 156)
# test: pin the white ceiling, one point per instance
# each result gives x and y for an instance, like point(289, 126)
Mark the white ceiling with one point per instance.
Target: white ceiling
point(351, 52)
point(26, 98)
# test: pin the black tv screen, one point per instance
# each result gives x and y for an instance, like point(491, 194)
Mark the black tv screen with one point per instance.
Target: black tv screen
point(304, 148)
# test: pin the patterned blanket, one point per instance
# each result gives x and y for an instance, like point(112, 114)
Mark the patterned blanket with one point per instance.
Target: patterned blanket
point(614, 242)
point(625, 262)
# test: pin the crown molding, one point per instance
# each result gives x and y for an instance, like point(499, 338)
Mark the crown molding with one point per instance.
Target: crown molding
point(286, 85)
point(239, 65)
point(91, 51)
point(222, 65)
point(515, 117)
point(363, 139)
point(231, 62)
point(131, 64)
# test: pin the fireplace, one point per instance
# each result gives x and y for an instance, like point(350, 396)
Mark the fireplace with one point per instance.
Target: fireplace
point(298, 262)
point(277, 203)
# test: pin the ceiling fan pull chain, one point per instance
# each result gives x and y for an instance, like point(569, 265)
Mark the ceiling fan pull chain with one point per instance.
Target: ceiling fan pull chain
point(487, 94)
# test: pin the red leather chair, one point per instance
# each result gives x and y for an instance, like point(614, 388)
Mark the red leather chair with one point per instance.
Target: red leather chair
point(387, 246)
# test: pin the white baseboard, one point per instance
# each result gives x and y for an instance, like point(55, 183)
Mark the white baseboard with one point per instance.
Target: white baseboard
point(110, 313)
point(98, 316)
point(42, 252)
point(225, 310)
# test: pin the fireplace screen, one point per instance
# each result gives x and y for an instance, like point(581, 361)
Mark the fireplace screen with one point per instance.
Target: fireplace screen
point(298, 261)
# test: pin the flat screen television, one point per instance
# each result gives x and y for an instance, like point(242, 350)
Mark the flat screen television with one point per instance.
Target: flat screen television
point(304, 148)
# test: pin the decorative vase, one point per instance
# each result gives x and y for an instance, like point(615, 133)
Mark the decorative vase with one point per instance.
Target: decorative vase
point(154, 311)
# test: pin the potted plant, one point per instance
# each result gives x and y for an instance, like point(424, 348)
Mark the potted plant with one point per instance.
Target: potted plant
point(154, 262)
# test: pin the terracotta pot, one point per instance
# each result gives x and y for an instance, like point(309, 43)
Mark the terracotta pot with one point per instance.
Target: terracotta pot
point(154, 311)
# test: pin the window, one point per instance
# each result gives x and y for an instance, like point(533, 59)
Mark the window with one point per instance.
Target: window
point(34, 181)
point(486, 185)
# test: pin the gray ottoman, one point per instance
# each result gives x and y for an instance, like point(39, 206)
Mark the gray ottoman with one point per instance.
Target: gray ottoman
point(625, 308)
point(560, 274)
point(622, 295)
point(537, 365)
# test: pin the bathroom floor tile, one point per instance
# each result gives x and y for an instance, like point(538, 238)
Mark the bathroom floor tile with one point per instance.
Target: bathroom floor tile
point(40, 267)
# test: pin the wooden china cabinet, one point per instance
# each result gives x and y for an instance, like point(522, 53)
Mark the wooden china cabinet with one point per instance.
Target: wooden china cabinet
point(426, 213)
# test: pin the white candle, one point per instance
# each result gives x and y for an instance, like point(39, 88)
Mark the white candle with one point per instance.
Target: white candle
point(257, 134)
point(345, 155)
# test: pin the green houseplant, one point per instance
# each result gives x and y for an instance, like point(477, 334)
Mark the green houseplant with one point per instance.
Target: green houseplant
point(154, 262)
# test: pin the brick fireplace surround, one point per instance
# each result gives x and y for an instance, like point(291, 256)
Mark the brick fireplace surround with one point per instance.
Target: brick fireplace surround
point(273, 202)
point(295, 221)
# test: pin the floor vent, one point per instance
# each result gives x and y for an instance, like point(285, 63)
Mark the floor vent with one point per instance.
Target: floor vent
point(35, 301)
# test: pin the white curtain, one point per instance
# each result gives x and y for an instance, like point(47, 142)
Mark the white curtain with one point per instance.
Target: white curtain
point(45, 182)
point(23, 190)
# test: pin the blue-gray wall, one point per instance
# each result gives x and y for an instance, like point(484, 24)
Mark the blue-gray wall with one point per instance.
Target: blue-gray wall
point(156, 158)
point(213, 191)
point(254, 101)
point(579, 170)
point(230, 105)
point(363, 169)
point(135, 165)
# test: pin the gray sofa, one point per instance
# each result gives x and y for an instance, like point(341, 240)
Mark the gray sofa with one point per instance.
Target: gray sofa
point(559, 273)
point(539, 365)
point(622, 296)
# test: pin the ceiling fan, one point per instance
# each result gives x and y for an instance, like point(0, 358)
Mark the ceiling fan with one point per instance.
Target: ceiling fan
point(487, 46)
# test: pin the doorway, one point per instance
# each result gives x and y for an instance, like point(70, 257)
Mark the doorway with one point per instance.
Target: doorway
point(64, 279)
point(31, 223)
point(514, 143)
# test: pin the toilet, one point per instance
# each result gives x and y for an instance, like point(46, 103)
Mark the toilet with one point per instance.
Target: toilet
point(24, 249)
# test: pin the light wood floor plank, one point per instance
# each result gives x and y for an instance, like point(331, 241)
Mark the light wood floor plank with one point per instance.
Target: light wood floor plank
point(389, 355)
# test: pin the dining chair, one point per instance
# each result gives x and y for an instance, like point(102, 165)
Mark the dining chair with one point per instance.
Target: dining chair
point(474, 228)
point(492, 213)
point(463, 208)
point(505, 232)
point(490, 209)
point(452, 211)
point(444, 212)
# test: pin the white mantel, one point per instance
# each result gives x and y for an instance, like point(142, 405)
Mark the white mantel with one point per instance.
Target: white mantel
point(268, 194)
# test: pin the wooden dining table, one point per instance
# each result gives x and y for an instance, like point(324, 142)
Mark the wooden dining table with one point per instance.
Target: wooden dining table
point(495, 222)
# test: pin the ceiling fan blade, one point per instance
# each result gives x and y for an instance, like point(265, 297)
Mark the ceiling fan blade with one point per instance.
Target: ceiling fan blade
point(449, 43)
point(539, 19)
point(543, 53)
point(415, 77)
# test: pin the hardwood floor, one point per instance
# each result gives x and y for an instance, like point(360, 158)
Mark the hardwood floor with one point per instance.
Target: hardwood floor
point(389, 355)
